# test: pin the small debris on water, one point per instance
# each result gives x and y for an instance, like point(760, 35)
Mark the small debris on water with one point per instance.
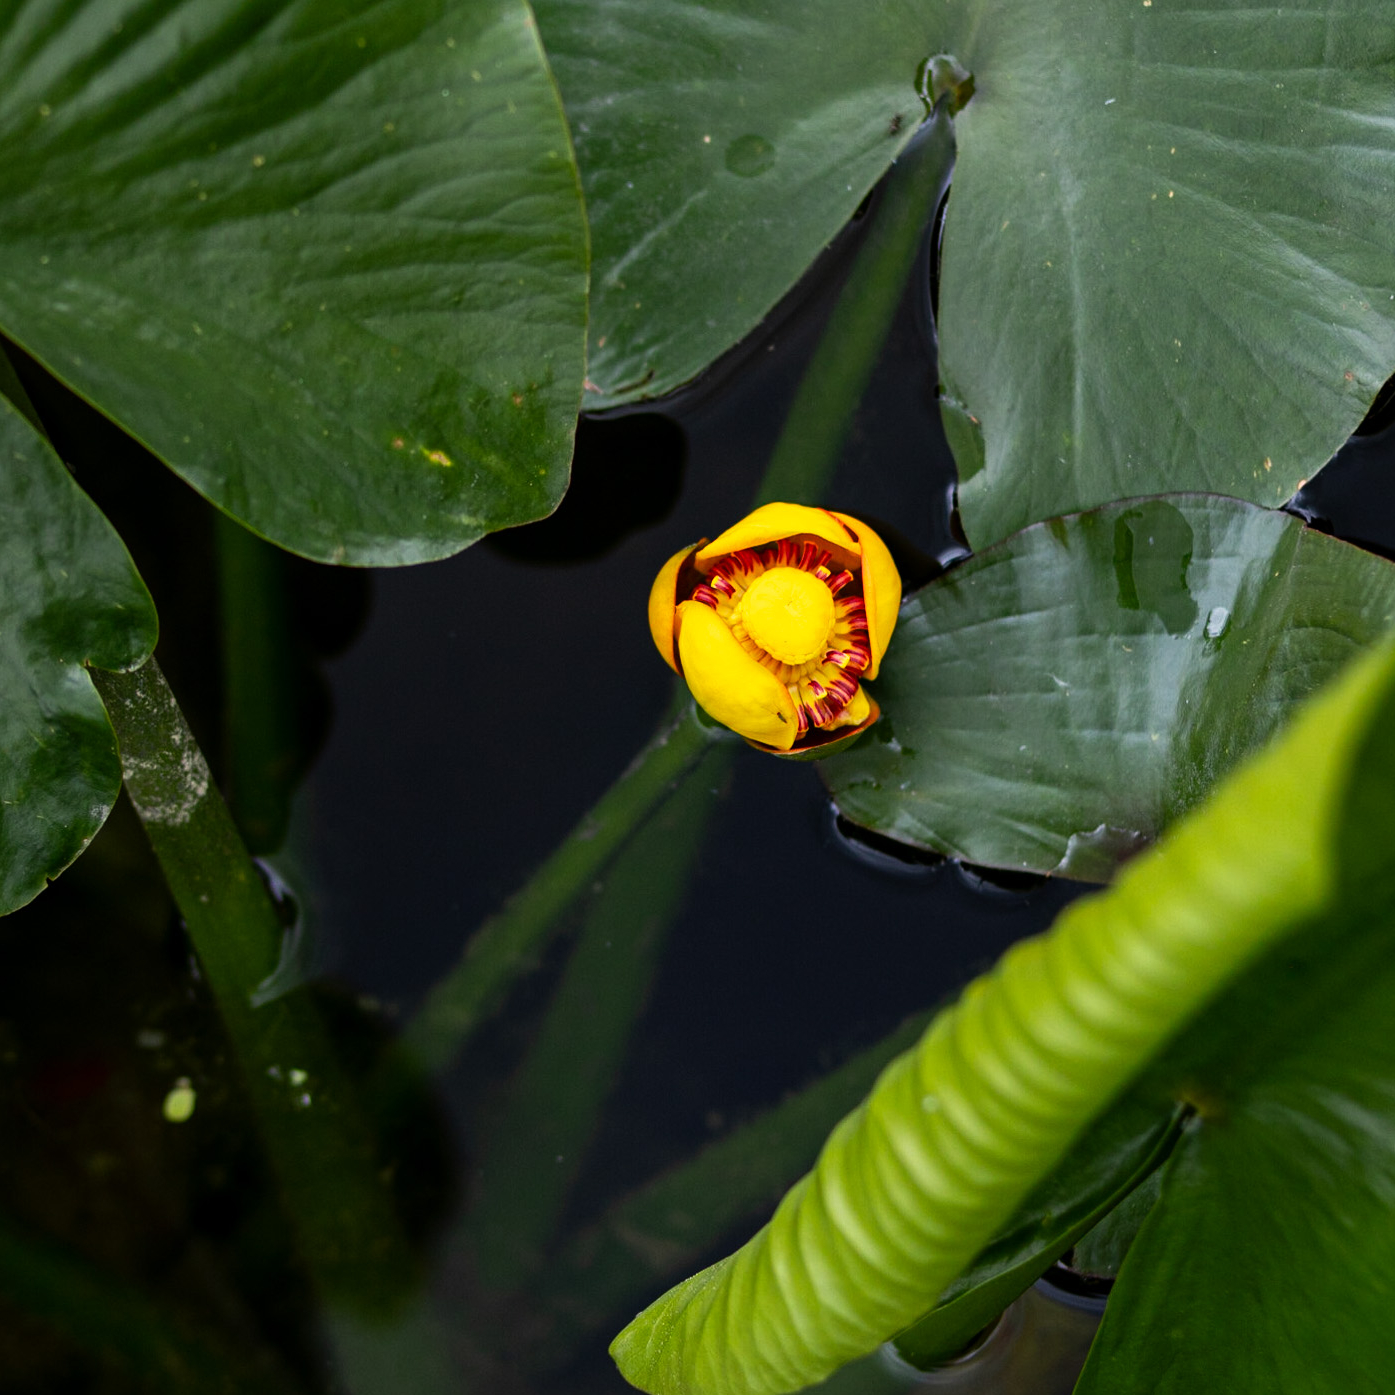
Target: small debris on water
point(179, 1103)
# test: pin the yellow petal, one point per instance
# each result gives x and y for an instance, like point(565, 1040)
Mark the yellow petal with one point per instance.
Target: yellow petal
point(771, 522)
point(854, 714)
point(729, 684)
point(881, 590)
point(662, 598)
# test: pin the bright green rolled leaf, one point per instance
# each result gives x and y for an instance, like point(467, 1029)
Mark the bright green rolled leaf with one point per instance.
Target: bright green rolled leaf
point(1112, 1162)
point(69, 596)
point(671, 1221)
point(1059, 699)
point(1167, 258)
point(721, 147)
point(958, 1131)
point(327, 261)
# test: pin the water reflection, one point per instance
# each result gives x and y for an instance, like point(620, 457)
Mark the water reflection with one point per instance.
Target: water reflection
point(1037, 1347)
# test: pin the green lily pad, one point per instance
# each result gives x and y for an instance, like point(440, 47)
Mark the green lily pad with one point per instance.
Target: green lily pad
point(1167, 257)
point(1056, 701)
point(328, 262)
point(1166, 260)
point(69, 596)
point(720, 149)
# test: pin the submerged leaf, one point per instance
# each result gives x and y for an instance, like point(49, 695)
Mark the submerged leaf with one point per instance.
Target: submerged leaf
point(1059, 699)
point(329, 263)
point(69, 596)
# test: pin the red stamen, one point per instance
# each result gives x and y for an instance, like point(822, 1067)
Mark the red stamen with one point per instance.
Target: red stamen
point(840, 581)
point(704, 593)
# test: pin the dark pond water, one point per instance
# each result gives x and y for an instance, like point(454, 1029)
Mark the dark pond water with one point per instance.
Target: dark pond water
point(479, 707)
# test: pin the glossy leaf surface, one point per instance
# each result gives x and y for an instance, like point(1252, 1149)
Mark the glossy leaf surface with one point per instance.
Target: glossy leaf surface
point(721, 147)
point(69, 596)
point(1269, 1261)
point(958, 1131)
point(1102, 1171)
point(1166, 261)
point(1056, 701)
point(327, 261)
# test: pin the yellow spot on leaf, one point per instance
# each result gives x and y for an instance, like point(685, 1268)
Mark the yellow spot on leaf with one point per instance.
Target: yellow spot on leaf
point(437, 457)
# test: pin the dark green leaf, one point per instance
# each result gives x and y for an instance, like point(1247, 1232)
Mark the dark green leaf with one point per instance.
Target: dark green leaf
point(721, 147)
point(1101, 1252)
point(1060, 698)
point(69, 596)
point(1167, 258)
point(1269, 1261)
point(328, 261)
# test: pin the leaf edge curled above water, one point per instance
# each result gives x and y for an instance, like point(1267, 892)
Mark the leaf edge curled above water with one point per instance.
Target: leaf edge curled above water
point(70, 597)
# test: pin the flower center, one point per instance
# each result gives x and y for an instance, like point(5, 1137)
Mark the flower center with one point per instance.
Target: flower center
point(789, 613)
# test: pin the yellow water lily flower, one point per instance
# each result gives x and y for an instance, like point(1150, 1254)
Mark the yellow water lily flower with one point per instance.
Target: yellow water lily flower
point(775, 624)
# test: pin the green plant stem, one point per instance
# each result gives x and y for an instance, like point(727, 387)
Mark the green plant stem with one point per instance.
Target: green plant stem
point(319, 1146)
point(533, 1151)
point(259, 721)
point(510, 941)
point(799, 471)
point(821, 415)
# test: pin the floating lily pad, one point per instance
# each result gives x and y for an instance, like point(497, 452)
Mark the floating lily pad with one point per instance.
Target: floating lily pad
point(1167, 257)
point(328, 262)
point(69, 596)
point(1056, 701)
point(1166, 260)
point(720, 149)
